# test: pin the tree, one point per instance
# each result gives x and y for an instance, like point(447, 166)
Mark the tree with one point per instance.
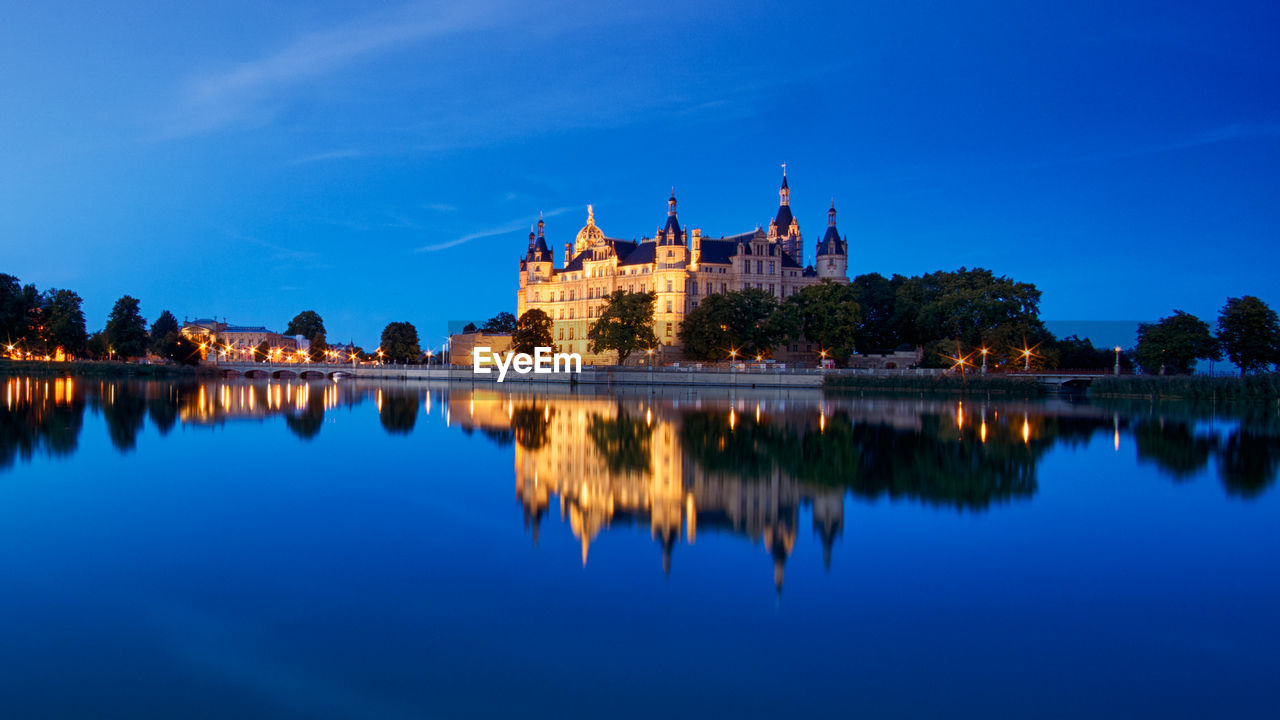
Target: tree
point(503, 322)
point(625, 324)
point(318, 347)
point(126, 331)
point(1250, 333)
point(877, 296)
point(532, 330)
point(469, 328)
point(400, 342)
point(63, 323)
point(98, 347)
point(160, 330)
point(15, 309)
point(262, 353)
point(1174, 343)
point(744, 323)
point(307, 323)
point(177, 347)
point(829, 315)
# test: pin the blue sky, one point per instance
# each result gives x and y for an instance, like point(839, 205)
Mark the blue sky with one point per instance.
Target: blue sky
point(380, 162)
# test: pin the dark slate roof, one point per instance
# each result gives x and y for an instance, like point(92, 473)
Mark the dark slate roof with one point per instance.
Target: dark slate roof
point(784, 218)
point(831, 243)
point(623, 249)
point(671, 232)
point(642, 254)
point(719, 251)
point(722, 250)
point(246, 328)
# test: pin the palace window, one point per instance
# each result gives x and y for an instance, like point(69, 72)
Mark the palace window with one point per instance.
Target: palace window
point(668, 306)
point(746, 266)
point(561, 317)
point(561, 296)
point(759, 267)
point(709, 288)
point(570, 333)
point(668, 286)
point(770, 288)
point(570, 314)
point(561, 333)
point(571, 295)
point(724, 287)
point(668, 329)
point(631, 288)
point(771, 267)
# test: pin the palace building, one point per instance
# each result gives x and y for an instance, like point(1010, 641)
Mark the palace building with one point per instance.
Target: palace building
point(680, 265)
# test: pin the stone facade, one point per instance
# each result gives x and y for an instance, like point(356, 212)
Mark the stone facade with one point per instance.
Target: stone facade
point(680, 265)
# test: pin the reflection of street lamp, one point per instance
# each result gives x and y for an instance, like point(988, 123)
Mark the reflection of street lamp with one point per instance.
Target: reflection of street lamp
point(984, 361)
point(1117, 360)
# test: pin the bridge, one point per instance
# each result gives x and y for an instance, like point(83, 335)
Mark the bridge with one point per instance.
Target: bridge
point(1060, 380)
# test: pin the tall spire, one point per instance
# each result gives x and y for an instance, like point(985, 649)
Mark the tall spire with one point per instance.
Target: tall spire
point(831, 214)
point(541, 224)
point(784, 192)
point(671, 203)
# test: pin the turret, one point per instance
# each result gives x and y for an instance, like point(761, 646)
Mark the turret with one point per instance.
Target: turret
point(784, 227)
point(832, 257)
point(671, 234)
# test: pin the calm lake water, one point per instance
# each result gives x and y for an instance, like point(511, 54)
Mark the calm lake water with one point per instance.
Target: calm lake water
point(352, 550)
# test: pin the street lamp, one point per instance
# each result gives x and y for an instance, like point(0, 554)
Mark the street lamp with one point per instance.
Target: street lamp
point(1117, 371)
point(984, 361)
point(1026, 358)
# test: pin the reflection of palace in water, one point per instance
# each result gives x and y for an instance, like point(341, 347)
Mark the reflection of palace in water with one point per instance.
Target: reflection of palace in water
point(616, 462)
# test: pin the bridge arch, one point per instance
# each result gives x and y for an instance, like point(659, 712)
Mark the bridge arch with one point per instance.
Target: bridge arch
point(284, 374)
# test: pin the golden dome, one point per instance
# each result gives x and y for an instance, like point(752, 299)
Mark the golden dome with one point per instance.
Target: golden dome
point(589, 234)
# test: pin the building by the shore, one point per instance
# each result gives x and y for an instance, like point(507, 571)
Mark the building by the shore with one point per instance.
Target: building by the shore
point(680, 265)
point(239, 338)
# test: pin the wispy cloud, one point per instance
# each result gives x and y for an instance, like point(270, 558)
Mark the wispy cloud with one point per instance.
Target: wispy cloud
point(249, 91)
point(327, 156)
point(505, 229)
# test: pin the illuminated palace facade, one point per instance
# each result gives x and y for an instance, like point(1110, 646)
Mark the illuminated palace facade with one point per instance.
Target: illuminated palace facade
point(680, 265)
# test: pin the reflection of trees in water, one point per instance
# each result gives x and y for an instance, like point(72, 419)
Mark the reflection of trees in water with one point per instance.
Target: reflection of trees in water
point(307, 423)
point(124, 408)
point(1247, 462)
point(1247, 458)
point(623, 441)
point(48, 424)
point(1173, 447)
point(399, 412)
point(938, 462)
point(531, 425)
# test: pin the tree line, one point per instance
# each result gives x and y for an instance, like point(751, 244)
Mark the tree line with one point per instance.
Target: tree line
point(957, 319)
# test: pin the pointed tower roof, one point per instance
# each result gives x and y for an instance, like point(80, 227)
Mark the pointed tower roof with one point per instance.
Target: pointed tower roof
point(784, 218)
point(672, 234)
point(831, 244)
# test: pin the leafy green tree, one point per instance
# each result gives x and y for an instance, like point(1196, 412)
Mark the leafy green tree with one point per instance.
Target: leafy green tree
point(1249, 333)
point(318, 348)
point(262, 353)
point(744, 323)
point(625, 324)
point(15, 309)
point(503, 322)
point(177, 347)
point(532, 330)
point(877, 296)
point(829, 316)
point(1174, 344)
point(126, 331)
point(400, 342)
point(307, 323)
point(160, 330)
point(63, 323)
point(98, 347)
